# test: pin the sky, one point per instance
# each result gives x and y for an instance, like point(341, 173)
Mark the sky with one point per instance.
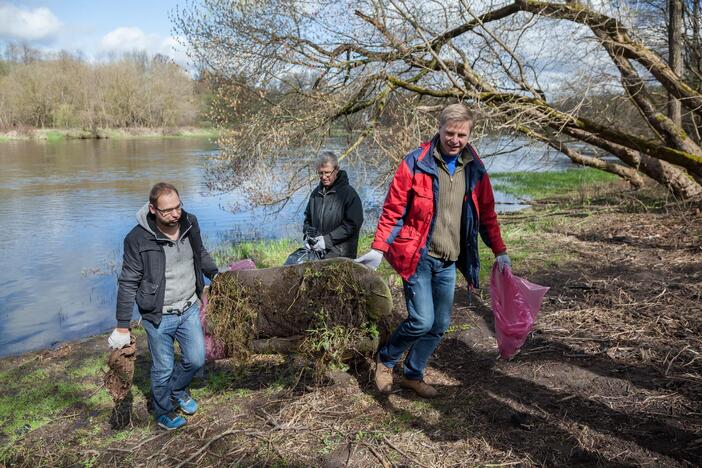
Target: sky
point(96, 28)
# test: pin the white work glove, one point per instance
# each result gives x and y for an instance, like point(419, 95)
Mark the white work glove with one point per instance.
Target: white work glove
point(319, 244)
point(503, 261)
point(118, 339)
point(371, 259)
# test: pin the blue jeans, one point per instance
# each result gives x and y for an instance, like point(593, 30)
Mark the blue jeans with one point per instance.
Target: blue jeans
point(429, 301)
point(169, 379)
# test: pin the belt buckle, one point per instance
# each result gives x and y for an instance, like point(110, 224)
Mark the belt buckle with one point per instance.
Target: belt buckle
point(180, 311)
point(185, 307)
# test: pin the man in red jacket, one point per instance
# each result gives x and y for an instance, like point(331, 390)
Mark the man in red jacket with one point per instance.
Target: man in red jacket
point(438, 202)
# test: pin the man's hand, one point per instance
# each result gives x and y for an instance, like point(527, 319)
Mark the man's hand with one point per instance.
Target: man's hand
point(371, 259)
point(318, 244)
point(119, 338)
point(503, 261)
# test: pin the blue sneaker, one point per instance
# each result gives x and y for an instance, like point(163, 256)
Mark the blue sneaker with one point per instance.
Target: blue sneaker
point(171, 423)
point(187, 405)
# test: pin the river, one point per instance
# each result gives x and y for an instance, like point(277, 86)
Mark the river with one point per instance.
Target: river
point(66, 207)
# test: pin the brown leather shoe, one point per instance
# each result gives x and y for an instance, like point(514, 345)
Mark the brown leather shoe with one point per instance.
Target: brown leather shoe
point(420, 387)
point(383, 376)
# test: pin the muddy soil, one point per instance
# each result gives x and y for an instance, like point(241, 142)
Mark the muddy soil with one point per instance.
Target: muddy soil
point(611, 375)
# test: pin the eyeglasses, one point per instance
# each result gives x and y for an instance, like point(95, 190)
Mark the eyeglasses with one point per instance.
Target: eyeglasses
point(169, 210)
point(325, 173)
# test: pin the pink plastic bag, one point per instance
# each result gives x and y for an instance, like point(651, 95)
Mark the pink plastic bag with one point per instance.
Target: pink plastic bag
point(515, 303)
point(214, 350)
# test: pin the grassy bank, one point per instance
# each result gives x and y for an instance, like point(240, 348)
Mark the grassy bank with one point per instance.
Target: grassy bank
point(540, 185)
point(54, 135)
point(592, 367)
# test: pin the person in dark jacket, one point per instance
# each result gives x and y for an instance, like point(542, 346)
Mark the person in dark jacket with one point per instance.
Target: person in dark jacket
point(162, 271)
point(334, 213)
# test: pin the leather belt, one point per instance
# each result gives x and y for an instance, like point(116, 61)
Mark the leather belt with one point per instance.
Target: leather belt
point(186, 306)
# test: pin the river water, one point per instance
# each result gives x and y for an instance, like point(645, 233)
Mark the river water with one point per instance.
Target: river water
point(66, 207)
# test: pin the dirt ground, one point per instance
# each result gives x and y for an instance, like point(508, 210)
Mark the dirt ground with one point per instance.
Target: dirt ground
point(610, 376)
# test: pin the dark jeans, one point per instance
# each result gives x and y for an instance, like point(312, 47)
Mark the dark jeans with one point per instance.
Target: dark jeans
point(169, 379)
point(429, 301)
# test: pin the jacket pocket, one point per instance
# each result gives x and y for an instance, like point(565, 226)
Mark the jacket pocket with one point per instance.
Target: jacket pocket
point(422, 207)
point(146, 295)
point(403, 249)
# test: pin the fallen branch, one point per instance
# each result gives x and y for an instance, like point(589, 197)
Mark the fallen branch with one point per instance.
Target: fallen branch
point(410, 458)
point(380, 458)
point(206, 446)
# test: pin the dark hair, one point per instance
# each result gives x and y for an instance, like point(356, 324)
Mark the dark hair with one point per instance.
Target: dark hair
point(158, 190)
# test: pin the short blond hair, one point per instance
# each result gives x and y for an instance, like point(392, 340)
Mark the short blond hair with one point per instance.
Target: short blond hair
point(456, 113)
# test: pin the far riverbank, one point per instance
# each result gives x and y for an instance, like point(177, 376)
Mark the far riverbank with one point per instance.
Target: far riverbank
point(59, 134)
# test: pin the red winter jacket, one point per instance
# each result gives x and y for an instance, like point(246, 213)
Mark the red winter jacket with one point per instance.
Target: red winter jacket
point(407, 220)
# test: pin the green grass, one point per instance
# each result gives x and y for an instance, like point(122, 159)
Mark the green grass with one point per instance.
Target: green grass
point(31, 403)
point(265, 254)
point(54, 136)
point(130, 134)
point(525, 244)
point(31, 397)
point(62, 134)
point(200, 132)
point(546, 184)
point(124, 434)
point(272, 253)
point(457, 328)
point(216, 382)
point(89, 368)
point(330, 443)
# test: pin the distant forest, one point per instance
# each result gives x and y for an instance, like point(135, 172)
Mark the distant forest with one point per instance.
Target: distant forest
point(65, 90)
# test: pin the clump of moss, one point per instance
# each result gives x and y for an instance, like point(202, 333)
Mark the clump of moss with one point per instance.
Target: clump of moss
point(231, 316)
point(329, 345)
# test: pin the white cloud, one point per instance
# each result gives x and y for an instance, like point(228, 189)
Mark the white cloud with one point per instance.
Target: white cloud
point(130, 39)
point(27, 25)
point(126, 39)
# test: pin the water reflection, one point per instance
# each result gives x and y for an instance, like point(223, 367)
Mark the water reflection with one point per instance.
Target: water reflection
point(67, 206)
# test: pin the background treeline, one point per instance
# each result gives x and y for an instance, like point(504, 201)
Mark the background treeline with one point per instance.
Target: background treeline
point(65, 90)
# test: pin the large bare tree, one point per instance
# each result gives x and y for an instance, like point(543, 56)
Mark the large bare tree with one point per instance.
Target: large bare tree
point(383, 68)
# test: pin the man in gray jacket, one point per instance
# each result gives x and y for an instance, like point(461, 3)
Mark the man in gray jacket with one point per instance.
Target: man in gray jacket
point(162, 271)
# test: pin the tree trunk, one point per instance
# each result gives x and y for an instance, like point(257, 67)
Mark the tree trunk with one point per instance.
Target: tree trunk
point(332, 306)
point(679, 182)
point(675, 15)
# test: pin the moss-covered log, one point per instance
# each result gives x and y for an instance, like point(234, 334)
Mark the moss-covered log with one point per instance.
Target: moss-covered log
point(328, 308)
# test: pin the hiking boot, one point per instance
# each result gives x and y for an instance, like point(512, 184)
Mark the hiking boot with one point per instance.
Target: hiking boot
point(420, 387)
point(187, 405)
point(171, 422)
point(383, 376)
